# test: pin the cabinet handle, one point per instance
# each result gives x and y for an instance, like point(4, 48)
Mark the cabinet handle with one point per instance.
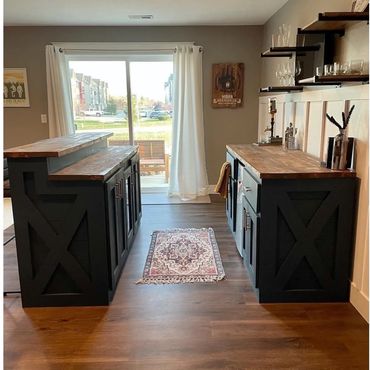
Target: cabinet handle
point(246, 189)
point(247, 221)
point(117, 190)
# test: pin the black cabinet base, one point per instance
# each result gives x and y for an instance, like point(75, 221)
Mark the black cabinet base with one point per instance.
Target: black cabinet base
point(66, 256)
point(298, 248)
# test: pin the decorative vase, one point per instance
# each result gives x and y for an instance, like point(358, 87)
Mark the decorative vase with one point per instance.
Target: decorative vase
point(339, 161)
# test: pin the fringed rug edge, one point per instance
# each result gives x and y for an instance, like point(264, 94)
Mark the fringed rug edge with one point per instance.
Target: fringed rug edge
point(180, 279)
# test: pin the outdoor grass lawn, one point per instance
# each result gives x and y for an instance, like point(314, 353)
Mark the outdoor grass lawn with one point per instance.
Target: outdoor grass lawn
point(93, 125)
point(163, 131)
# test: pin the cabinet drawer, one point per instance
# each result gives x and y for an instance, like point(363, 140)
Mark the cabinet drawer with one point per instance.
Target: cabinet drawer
point(251, 190)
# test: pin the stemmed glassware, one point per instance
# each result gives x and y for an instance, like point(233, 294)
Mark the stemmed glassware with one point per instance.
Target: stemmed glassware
point(298, 68)
point(286, 34)
point(282, 37)
point(280, 74)
point(287, 71)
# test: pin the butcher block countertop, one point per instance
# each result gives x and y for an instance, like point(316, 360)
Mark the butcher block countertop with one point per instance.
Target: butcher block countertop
point(273, 162)
point(96, 167)
point(57, 147)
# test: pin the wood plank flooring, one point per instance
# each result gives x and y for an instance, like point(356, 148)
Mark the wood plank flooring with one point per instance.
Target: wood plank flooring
point(185, 326)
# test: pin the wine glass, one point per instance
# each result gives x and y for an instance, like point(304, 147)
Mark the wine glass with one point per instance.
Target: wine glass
point(286, 34)
point(289, 73)
point(280, 74)
point(298, 68)
point(285, 74)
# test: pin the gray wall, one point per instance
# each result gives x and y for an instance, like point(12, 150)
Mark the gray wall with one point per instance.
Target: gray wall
point(299, 13)
point(25, 47)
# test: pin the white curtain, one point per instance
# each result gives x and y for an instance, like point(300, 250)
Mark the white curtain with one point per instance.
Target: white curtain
point(60, 109)
point(188, 176)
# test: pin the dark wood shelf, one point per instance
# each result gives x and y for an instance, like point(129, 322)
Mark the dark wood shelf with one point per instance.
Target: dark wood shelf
point(333, 80)
point(280, 89)
point(335, 21)
point(287, 51)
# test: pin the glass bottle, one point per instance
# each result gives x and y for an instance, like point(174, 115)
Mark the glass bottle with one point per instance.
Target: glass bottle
point(339, 161)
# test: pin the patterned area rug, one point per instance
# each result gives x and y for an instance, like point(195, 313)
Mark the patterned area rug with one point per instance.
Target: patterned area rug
point(183, 256)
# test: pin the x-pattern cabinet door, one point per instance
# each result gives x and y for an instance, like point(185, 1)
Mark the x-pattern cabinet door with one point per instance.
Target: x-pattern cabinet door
point(306, 239)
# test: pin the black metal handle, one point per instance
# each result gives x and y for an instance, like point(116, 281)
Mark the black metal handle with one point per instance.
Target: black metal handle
point(247, 221)
point(116, 190)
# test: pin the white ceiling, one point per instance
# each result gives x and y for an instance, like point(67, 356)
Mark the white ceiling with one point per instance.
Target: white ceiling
point(116, 12)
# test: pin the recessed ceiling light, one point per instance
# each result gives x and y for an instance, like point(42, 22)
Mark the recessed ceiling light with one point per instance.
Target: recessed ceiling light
point(141, 16)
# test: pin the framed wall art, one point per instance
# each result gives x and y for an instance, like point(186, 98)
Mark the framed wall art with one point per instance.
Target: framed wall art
point(15, 88)
point(227, 85)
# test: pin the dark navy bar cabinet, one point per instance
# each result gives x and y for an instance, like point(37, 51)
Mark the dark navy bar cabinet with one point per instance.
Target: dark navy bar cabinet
point(298, 220)
point(76, 205)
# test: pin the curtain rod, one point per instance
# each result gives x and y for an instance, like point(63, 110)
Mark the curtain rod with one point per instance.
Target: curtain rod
point(124, 50)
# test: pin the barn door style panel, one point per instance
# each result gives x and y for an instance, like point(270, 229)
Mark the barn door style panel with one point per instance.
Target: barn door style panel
point(59, 233)
point(306, 239)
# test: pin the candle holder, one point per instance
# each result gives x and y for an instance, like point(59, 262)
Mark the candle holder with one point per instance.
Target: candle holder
point(272, 110)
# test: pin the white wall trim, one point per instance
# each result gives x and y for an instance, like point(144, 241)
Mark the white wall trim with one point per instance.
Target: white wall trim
point(359, 301)
point(211, 189)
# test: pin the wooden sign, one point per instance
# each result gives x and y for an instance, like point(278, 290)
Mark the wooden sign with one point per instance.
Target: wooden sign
point(227, 85)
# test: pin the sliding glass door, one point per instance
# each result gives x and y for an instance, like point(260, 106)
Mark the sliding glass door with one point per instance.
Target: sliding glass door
point(151, 97)
point(99, 94)
point(132, 98)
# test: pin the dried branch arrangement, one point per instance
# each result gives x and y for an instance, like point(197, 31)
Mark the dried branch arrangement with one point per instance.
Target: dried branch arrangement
point(344, 119)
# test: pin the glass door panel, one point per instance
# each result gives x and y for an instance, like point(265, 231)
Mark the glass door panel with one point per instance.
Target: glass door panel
point(99, 95)
point(152, 107)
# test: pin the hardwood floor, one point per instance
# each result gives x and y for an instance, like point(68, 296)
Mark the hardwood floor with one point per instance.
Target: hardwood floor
point(185, 326)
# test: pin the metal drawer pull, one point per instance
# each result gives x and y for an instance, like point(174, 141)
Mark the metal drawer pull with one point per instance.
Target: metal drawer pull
point(246, 189)
point(117, 190)
point(247, 221)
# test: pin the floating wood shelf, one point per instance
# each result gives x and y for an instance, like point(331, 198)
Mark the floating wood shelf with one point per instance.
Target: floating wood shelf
point(280, 88)
point(335, 21)
point(287, 51)
point(333, 80)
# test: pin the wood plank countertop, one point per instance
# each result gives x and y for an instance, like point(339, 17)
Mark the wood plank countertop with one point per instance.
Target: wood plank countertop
point(96, 167)
point(57, 147)
point(272, 162)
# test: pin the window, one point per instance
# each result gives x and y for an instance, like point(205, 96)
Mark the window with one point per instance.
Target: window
point(132, 97)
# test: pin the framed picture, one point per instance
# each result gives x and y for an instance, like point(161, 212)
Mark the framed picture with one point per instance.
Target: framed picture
point(227, 85)
point(360, 5)
point(15, 88)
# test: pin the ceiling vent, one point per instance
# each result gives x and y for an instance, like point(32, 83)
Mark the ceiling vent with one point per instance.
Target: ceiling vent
point(141, 16)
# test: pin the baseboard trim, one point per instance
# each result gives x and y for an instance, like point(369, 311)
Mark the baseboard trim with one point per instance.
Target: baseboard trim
point(359, 301)
point(211, 189)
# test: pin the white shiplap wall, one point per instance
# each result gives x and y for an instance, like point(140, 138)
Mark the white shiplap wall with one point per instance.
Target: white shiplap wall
point(306, 110)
